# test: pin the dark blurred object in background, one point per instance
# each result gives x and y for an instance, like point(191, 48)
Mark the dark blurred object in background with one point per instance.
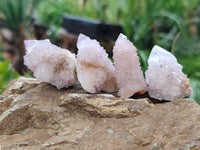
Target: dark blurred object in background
point(105, 33)
point(67, 40)
point(40, 32)
point(8, 48)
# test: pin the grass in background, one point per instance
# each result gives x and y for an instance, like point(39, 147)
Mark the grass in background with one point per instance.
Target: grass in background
point(6, 74)
point(1, 57)
point(195, 83)
point(144, 22)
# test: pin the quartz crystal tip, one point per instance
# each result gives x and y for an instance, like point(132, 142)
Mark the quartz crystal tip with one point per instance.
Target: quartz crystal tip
point(128, 72)
point(164, 76)
point(95, 70)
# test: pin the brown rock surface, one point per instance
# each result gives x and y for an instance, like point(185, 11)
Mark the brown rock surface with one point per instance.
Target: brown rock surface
point(37, 116)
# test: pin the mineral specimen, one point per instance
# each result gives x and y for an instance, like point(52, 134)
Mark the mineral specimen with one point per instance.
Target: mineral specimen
point(164, 76)
point(129, 76)
point(50, 63)
point(95, 70)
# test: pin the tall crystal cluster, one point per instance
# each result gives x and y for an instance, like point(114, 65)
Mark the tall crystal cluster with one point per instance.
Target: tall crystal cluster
point(95, 70)
point(128, 73)
point(164, 76)
point(50, 63)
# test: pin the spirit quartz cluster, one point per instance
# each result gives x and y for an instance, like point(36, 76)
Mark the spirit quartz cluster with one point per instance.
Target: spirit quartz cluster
point(95, 71)
point(164, 76)
point(129, 75)
point(50, 63)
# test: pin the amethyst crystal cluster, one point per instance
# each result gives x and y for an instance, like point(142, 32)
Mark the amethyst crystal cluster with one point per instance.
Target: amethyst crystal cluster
point(95, 71)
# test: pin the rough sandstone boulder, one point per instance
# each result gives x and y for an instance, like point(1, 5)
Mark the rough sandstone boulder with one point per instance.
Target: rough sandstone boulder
point(37, 116)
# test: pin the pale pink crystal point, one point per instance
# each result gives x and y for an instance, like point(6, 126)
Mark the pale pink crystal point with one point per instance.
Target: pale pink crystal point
point(129, 75)
point(50, 63)
point(164, 76)
point(95, 70)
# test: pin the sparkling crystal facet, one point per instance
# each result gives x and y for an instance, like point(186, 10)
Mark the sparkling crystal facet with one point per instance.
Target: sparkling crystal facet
point(129, 75)
point(95, 70)
point(164, 76)
point(50, 63)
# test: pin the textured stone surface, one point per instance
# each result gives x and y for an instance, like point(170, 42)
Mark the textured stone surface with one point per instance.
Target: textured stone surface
point(37, 116)
point(128, 73)
point(164, 76)
point(95, 70)
point(50, 63)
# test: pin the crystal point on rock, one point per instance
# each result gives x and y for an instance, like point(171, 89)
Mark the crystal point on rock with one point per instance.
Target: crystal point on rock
point(50, 63)
point(95, 70)
point(164, 76)
point(128, 72)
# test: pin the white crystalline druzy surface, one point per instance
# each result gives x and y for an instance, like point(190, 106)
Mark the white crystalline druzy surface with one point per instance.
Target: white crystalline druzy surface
point(129, 75)
point(95, 70)
point(164, 76)
point(50, 63)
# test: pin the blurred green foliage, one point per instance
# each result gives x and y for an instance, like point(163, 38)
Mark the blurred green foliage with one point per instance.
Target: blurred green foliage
point(50, 14)
point(144, 22)
point(1, 57)
point(16, 16)
point(14, 12)
point(6, 74)
point(195, 83)
point(17, 12)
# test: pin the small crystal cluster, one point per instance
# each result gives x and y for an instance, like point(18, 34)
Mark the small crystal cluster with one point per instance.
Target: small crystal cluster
point(164, 76)
point(50, 63)
point(129, 75)
point(95, 71)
